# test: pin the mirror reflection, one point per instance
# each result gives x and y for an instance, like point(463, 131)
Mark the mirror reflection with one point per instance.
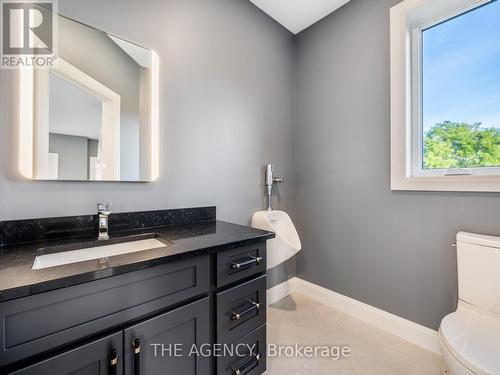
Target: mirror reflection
point(95, 110)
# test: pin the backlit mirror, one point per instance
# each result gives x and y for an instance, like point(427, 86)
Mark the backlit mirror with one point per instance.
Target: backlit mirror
point(93, 115)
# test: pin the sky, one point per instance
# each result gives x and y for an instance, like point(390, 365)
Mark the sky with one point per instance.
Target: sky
point(461, 69)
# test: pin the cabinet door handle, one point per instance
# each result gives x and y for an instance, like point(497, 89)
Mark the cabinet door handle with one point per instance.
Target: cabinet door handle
point(136, 345)
point(238, 316)
point(254, 360)
point(113, 362)
point(238, 265)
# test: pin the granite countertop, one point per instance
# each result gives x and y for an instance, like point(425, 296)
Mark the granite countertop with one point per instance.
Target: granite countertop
point(18, 279)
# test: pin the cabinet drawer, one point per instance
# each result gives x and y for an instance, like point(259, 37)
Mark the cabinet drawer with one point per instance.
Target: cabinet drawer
point(240, 263)
point(77, 312)
point(253, 359)
point(101, 357)
point(240, 310)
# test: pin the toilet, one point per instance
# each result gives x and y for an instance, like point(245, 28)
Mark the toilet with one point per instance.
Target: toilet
point(470, 337)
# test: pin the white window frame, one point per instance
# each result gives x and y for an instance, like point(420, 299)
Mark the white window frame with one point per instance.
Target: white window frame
point(408, 20)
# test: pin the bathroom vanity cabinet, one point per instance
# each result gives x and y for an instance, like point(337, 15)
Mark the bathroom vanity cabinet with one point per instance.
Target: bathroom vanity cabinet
point(163, 319)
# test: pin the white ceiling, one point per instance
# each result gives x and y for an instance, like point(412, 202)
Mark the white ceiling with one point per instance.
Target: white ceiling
point(297, 15)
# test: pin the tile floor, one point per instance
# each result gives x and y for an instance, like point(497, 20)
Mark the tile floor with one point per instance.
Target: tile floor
point(298, 319)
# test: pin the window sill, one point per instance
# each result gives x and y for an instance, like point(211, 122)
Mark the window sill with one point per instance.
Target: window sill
point(483, 184)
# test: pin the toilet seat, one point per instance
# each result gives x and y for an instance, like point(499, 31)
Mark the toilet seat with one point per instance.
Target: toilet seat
point(453, 366)
point(472, 337)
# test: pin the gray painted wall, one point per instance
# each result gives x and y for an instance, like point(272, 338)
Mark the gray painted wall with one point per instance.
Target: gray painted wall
point(226, 110)
point(73, 155)
point(389, 249)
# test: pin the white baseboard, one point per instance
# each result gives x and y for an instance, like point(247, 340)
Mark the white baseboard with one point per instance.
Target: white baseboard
point(278, 292)
point(415, 333)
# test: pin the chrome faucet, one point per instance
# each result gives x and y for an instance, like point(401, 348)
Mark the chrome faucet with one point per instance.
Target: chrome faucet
point(270, 181)
point(104, 210)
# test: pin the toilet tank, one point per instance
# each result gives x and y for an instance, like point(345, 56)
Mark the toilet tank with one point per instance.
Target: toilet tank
point(479, 270)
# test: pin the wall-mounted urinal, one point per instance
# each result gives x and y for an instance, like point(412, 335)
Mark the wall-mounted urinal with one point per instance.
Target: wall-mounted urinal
point(286, 243)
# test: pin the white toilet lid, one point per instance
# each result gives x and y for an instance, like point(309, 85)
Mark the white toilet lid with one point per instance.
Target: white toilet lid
point(473, 338)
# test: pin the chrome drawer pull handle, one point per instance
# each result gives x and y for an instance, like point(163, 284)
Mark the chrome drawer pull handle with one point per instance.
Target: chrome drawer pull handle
point(237, 266)
point(136, 346)
point(113, 362)
point(255, 359)
point(238, 316)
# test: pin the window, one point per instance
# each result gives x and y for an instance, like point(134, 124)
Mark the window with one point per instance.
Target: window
point(445, 95)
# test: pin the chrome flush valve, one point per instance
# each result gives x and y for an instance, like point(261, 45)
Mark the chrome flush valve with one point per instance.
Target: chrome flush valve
point(270, 181)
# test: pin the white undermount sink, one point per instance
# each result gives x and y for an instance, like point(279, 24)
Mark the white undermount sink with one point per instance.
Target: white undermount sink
point(98, 252)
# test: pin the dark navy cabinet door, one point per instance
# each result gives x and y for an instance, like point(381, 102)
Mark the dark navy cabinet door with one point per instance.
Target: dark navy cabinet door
point(101, 357)
point(169, 343)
